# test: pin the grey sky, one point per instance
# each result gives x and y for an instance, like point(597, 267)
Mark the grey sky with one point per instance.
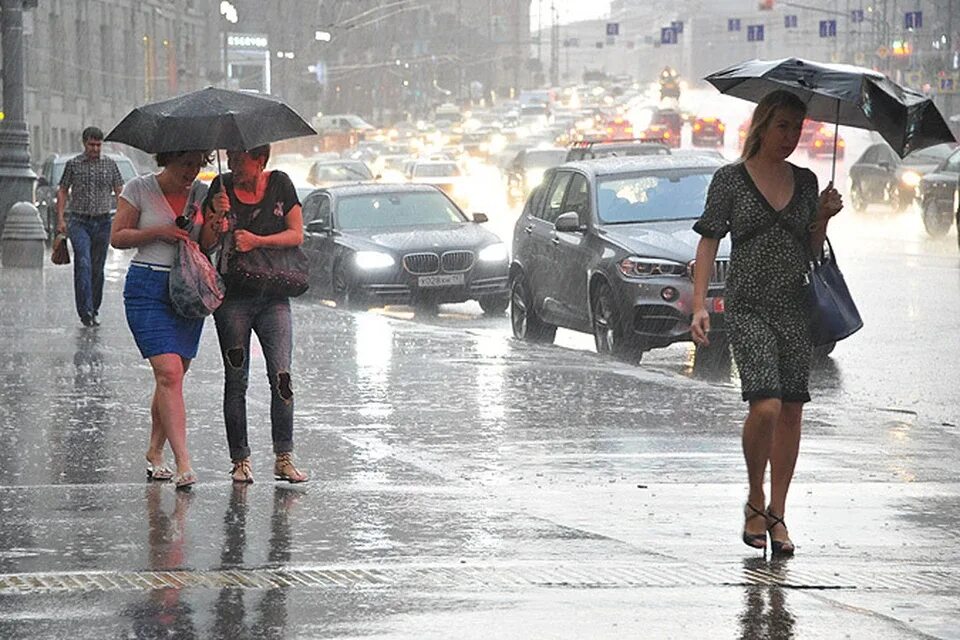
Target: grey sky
point(569, 10)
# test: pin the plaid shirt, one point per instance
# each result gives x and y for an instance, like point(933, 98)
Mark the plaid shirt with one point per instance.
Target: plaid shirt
point(92, 184)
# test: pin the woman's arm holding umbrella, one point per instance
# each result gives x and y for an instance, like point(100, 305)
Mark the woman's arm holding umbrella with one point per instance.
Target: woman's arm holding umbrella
point(214, 210)
point(829, 204)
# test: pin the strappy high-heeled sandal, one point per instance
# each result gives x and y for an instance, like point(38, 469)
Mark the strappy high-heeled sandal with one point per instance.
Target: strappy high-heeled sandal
point(754, 540)
point(779, 547)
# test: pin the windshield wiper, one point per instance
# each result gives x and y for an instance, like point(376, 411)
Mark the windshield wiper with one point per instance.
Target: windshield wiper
point(616, 222)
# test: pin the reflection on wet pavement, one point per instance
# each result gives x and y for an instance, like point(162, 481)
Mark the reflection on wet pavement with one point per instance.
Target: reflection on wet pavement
point(499, 483)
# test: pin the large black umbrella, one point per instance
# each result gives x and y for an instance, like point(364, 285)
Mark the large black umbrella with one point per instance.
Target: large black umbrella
point(209, 119)
point(843, 94)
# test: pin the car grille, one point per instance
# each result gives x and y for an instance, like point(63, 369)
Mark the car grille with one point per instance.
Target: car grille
point(456, 261)
point(450, 262)
point(421, 263)
point(720, 270)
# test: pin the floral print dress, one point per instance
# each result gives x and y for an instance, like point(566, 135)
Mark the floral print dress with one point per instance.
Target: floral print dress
point(766, 314)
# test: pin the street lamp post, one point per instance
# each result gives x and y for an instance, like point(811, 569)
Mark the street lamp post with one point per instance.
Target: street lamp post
point(16, 177)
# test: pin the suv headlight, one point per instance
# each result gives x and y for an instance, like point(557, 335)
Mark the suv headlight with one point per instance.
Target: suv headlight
point(373, 260)
point(910, 178)
point(635, 267)
point(534, 177)
point(494, 253)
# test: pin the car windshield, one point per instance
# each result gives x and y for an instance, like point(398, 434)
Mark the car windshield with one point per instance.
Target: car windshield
point(390, 210)
point(444, 170)
point(931, 155)
point(354, 171)
point(125, 165)
point(652, 197)
point(544, 158)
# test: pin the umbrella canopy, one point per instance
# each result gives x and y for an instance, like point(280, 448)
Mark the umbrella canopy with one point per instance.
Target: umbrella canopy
point(209, 119)
point(843, 94)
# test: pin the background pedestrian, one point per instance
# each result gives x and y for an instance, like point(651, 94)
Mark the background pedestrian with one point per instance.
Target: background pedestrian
point(89, 184)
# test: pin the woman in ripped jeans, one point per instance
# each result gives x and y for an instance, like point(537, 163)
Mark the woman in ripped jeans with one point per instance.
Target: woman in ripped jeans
point(265, 209)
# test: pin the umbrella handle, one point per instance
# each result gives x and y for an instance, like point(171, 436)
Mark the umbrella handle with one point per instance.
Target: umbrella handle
point(836, 135)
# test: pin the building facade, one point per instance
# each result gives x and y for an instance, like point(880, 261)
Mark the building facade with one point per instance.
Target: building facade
point(89, 62)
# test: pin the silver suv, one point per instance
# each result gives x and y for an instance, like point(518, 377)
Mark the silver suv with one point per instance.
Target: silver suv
point(607, 247)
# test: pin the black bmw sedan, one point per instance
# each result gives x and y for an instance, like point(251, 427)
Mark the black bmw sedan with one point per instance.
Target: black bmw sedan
point(376, 244)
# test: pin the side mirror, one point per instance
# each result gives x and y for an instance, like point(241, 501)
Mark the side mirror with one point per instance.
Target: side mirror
point(568, 222)
point(318, 226)
point(480, 218)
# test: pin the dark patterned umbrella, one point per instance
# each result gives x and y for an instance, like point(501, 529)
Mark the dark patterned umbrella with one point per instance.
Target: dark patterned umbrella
point(209, 119)
point(843, 94)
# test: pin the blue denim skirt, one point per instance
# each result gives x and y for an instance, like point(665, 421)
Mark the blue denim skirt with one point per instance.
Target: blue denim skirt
point(156, 327)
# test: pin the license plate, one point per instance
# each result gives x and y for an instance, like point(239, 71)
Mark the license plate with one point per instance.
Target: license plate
point(444, 280)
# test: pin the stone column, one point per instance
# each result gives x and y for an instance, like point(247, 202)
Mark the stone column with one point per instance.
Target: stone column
point(17, 179)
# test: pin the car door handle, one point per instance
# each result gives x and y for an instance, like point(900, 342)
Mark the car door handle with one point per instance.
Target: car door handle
point(555, 241)
point(528, 228)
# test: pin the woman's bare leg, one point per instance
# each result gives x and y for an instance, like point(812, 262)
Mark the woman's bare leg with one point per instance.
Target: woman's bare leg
point(168, 370)
point(757, 439)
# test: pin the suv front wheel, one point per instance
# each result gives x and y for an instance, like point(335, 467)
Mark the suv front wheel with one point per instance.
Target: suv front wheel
point(608, 333)
point(526, 324)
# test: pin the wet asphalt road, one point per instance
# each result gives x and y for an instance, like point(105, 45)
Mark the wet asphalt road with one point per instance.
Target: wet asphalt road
point(468, 486)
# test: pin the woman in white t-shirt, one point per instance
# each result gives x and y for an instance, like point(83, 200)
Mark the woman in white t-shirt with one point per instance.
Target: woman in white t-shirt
point(147, 219)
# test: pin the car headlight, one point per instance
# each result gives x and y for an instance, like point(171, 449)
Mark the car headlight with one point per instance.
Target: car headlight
point(634, 267)
point(910, 178)
point(493, 253)
point(535, 177)
point(373, 260)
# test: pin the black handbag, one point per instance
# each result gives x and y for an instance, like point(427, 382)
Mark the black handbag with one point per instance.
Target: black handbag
point(282, 271)
point(272, 271)
point(833, 313)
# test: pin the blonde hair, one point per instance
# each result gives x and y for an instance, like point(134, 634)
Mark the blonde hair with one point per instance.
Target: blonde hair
point(764, 114)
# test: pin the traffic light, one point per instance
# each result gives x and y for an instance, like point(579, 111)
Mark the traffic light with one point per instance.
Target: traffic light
point(765, 5)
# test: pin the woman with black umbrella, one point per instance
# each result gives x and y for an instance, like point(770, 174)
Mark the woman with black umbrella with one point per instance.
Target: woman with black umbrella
point(776, 217)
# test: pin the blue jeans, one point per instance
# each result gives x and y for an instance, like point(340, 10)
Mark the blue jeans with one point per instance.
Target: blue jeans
point(270, 318)
point(90, 238)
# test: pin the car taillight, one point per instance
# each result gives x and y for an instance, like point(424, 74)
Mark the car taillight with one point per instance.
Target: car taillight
point(666, 134)
point(721, 127)
point(818, 143)
point(697, 127)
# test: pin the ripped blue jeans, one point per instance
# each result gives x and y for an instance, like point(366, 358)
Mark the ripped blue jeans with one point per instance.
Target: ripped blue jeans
point(270, 318)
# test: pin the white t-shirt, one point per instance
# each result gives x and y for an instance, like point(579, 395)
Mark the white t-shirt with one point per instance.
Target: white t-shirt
point(144, 193)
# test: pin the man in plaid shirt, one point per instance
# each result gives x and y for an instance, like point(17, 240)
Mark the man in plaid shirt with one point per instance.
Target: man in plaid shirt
point(93, 184)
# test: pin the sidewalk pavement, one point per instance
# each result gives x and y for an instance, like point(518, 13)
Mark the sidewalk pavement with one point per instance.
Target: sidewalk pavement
point(463, 485)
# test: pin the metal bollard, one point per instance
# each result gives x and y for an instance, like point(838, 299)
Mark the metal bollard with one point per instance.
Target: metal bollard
point(23, 242)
